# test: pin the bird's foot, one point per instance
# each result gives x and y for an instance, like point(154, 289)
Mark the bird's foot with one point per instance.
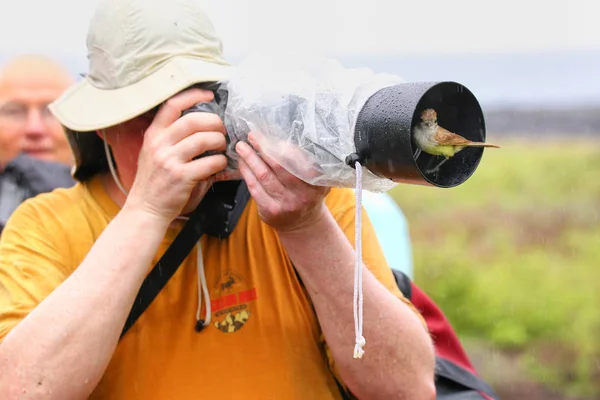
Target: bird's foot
point(436, 168)
point(417, 154)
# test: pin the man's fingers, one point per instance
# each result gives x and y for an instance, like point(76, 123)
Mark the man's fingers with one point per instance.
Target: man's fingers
point(203, 168)
point(171, 109)
point(257, 166)
point(197, 143)
point(291, 155)
point(254, 187)
point(194, 122)
point(284, 176)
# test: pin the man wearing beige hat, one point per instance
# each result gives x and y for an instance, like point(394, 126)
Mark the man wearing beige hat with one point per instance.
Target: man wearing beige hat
point(261, 307)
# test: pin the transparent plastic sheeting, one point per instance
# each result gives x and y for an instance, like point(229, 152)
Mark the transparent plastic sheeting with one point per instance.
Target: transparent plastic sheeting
point(303, 111)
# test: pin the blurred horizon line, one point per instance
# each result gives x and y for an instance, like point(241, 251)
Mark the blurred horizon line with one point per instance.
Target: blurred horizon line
point(544, 79)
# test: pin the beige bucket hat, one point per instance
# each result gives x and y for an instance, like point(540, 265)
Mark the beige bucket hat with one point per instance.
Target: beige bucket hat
point(140, 52)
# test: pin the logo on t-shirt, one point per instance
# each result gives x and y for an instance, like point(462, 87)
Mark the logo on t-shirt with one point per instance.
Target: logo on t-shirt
point(231, 305)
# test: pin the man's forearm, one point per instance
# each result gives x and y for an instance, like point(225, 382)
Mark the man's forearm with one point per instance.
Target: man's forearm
point(399, 359)
point(61, 349)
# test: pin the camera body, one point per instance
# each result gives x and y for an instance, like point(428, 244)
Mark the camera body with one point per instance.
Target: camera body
point(218, 106)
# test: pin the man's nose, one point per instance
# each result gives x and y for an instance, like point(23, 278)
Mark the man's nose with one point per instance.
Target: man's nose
point(36, 123)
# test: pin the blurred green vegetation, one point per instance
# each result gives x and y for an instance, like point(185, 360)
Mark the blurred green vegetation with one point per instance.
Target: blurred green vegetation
point(513, 256)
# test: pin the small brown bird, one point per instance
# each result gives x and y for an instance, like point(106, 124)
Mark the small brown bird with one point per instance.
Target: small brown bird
point(435, 140)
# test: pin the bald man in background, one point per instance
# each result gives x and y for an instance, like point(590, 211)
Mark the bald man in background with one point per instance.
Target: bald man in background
point(28, 83)
point(35, 156)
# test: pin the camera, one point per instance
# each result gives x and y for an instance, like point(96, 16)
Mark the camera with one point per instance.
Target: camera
point(336, 116)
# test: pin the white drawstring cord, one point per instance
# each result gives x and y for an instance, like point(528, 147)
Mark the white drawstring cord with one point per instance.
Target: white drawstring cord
point(358, 289)
point(202, 286)
point(111, 165)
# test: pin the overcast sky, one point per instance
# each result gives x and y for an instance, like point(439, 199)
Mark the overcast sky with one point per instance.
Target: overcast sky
point(337, 27)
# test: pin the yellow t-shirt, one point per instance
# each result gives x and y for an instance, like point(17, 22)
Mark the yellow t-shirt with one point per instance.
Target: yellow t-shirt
point(264, 341)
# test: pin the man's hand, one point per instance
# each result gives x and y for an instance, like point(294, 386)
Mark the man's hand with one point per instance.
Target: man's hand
point(167, 172)
point(284, 202)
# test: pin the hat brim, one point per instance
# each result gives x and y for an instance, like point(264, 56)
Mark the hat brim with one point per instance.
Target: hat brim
point(86, 108)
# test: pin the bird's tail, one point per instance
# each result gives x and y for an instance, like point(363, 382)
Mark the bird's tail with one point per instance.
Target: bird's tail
point(482, 144)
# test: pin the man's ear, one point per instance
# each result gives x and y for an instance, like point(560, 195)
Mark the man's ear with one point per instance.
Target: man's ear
point(102, 135)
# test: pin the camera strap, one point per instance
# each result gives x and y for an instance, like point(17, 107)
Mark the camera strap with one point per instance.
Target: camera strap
point(166, 267)
point(217, 215)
